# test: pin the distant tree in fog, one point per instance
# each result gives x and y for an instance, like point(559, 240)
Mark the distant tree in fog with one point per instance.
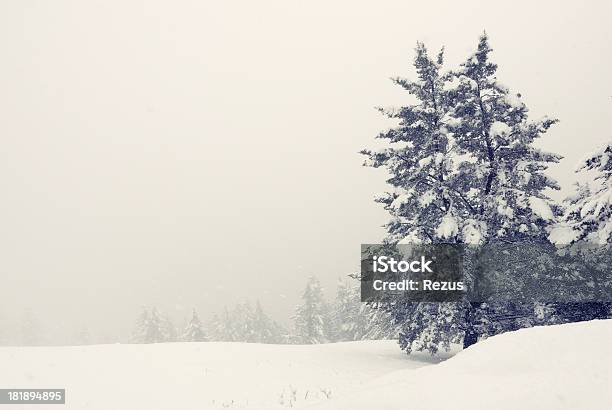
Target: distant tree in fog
point(217, 330)
point(312, 316)
point(266, 329)
point(194, 332)
point(353, 320)
point(153, 327)
point(245, 324)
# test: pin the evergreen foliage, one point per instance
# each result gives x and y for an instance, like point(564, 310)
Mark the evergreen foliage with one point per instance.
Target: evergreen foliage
point(312, 316)
point(194, 332)
point(153, 327)
point(463, 170)
point(246, 324)
point(588, 213)
point(354, 320)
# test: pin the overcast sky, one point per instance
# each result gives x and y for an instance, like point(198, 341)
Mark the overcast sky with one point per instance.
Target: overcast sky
point(196, 153)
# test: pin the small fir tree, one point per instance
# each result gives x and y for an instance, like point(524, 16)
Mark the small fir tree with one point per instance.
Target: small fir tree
point(311, 319)
point(194, 332)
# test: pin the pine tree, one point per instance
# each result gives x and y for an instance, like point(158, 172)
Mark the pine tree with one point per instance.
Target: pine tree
point(245, 324)
point(381, 325)
point(167, 330)
point(153, 327)
point(226, 329)
point(418, 157)
point(588, 213)
point(242, 322)
point(428, 196)
point(503, 178)
point(504, 174)
point(219, 329)
point(214, 328)
point(586, 229)
point(194, 332)
point(266, 329)
point(140, 330)
point(311, 320)
point(353, 320)
point(347, 319)
point(463, 170)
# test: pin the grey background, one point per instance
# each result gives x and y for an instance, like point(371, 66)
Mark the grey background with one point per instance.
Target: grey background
point(194, 153)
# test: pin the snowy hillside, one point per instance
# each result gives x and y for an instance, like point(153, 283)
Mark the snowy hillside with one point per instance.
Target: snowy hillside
point(559, 367)
point(543, 368)
point(200, 376)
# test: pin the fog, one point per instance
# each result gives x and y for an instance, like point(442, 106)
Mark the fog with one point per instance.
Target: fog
point(195, 154)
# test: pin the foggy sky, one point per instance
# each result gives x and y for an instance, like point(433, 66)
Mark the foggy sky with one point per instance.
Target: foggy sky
point(194, 154)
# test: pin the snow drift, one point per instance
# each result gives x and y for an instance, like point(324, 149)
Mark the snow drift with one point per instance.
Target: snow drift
point(557, 367)
point(543, 368)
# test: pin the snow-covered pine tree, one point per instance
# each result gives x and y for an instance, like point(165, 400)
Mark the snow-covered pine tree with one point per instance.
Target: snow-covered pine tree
point(139, 334)
point(419, 158)
point(262, 325)
point(353, 320)
point(463, 170)
point(169, 332)
point(588, 213)
point(311, 319)
point(194, 332)
point(266, 329)
point(503, 174)
point(216, 328)
point(586, 228)
point(243, 323)
point(347, 320)
point(227, 328)
point(153, 327)
point(427, 199)
point(381, 326)
point(154, 330)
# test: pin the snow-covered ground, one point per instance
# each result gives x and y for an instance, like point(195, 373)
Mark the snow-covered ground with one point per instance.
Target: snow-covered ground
point(559, 367)
point(542, 368)
point(199, 376)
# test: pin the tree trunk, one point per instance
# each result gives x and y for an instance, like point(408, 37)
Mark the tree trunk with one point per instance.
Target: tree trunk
point(471, 336)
